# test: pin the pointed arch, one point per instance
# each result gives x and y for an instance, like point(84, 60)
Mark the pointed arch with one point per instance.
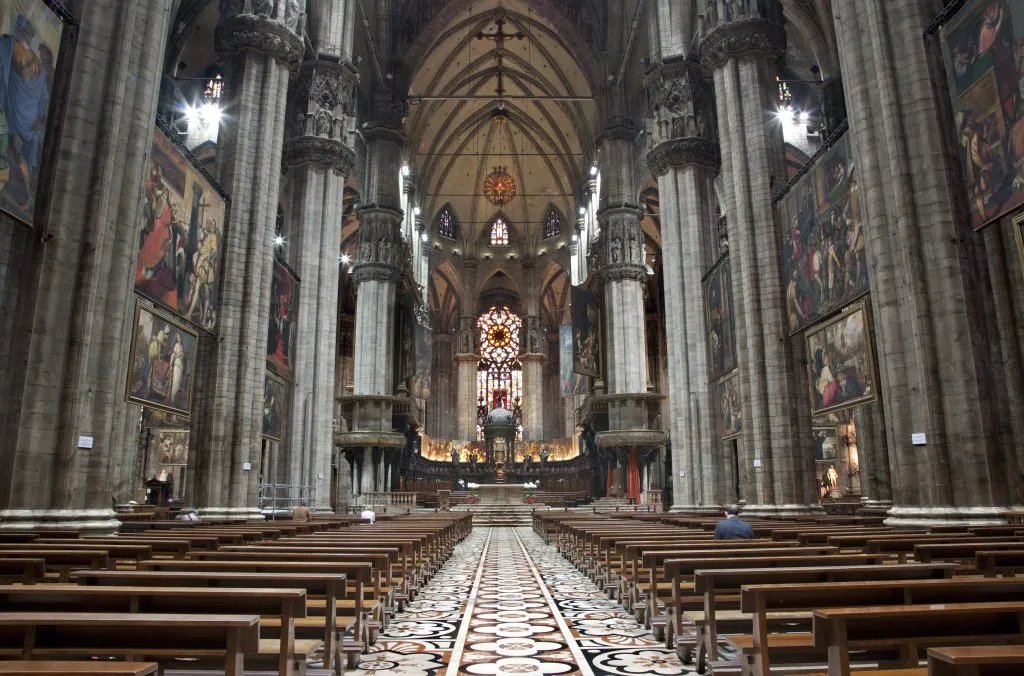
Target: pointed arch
point(447, 223)
point(551, 225)
point(499, 230)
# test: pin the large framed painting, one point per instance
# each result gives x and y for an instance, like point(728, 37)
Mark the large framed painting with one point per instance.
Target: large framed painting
point(586, 331)
point(1018, 234)
point(841, 367)
point(157, 419)
point(572, 383)
point(30, 42)
point(170, 446)
point(275, 399)
point(824, 260)
point(826, 443)
point(730, 406)
point(417, 347)
point(284, 309)
point(983, 48)
point(163, 361)
point(178, 262)
point(719, 319)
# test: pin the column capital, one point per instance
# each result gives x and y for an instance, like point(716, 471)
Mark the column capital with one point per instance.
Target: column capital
point(258, 31)
point(382, 253)
point(620, 249)
point(619, 128)
point(682, 152)
point(387, 117)
point(743, 32)
point(534, 343)
point(681, 102)
point(321, 116)
point(467, 338)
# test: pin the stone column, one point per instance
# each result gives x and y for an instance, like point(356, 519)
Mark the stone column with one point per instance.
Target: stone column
point(684, 159)
point(66, 339)
point(933, 343)
point(467, 357)
point(318, 158)
point(533, 346)
point(258, 51)
point(621, 262)
point(873, 453)
point(742, 49)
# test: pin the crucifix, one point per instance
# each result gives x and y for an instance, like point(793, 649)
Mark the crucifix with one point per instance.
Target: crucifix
point(499, 36)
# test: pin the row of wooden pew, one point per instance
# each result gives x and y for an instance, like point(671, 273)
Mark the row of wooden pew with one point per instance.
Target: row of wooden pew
point(830, 595)
point(255, 593)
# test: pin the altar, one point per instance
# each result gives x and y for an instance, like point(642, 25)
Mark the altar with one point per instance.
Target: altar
point(501, 494)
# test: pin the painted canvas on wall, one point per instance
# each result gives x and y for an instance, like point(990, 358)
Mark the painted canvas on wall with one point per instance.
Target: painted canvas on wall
point(824, 261)
point(730, 406)
point(840, 365)
point(155, 418)
point(1018, 233)
point(417, 347)
point(572, 383)
point(178, 263)
point(719, 322)
point(284, 309)
point(983, 48)
point(275, 398)
point(30, 37)
point(826, 443)
point(162, 364)
point(170, 446)
point(586, 331)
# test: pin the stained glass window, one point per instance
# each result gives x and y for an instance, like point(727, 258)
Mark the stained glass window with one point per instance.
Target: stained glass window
point(552, 224)
point(500, 376)
point(447, 224)
point(499, 232)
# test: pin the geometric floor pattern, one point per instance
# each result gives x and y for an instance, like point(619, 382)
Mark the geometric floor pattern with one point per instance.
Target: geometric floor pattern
point(507, 603)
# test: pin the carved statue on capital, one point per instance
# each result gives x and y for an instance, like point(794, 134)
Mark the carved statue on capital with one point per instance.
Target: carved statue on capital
point(534, 339)
point(382, 253)
point(743, 28)
point(619, 253)
point(467, 336)
point(270, 27)
point(321, 116)
point(683, 122)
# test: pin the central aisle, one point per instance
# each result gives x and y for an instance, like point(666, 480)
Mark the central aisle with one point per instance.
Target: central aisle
point(506, 603)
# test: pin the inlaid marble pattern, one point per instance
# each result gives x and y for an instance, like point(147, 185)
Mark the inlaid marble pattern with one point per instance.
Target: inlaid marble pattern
point(506, 603)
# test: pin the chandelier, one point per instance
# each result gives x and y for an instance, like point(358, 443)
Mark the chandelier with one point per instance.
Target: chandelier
point(499, 187)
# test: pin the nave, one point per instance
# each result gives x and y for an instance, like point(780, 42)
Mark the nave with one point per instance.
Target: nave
point(508, 603)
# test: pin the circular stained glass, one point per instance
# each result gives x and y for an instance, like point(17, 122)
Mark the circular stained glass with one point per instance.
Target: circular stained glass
point(500, 187)
point(499, 334)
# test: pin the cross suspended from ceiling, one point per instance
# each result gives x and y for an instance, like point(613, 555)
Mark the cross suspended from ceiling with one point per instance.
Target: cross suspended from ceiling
point(499, 36)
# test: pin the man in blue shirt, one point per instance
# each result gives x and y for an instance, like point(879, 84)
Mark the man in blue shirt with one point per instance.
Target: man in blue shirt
point(732, 527)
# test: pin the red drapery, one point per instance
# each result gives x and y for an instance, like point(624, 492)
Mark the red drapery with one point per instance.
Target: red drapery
point(633, 477)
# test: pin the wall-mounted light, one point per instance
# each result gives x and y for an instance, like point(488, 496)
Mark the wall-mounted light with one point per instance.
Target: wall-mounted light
point(279, 241)
point(593, 170)
point(424, 237)
point(344, 258)
point(405, 170)
point(575, 237)
point(583, 211)
point(416, 211)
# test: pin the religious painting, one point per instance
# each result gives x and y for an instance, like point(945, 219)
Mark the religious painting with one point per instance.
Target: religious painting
point(554, 450)
point(719, 322)
point(983, 48)
point(572, 382)
point(824, 260)
point(730, 406)
point(586, 332)
point(284, 309)
point(417, 347)
point(30, 41)
point(1018, 233)
point(170, 446)
point(155, 418)
point(840, 362)
point(275, 398)
point(162, 363)
point(825, 443)
point(178, 263)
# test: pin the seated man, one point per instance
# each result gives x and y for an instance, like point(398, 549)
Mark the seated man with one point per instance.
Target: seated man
point(368, 515)
point(301, 513)
point(732, 527)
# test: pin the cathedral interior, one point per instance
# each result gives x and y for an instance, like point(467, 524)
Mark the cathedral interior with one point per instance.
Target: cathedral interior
point(425, 257)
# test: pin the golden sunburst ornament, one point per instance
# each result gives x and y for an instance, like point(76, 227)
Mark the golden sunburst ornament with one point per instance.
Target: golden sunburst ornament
point(500, 187)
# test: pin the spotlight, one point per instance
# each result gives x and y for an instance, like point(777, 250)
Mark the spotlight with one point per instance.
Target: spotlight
point(415, 211)
point(593, 170)
point(583, 211)
point(424, 237)
point(575, 237)
point(344, 258)
point(805, 117)
point(405, 170)
point(279, 241)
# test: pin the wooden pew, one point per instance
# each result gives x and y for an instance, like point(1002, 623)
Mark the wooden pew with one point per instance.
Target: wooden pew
point(337, 631)
point(131, 553)
point(996, 660)
point(25, 571)
point(911, 628)
point(176, 548)
point(27, 635)
point(62, 561)
point(960, 552)
point(76, 668)
point(286, 605)
point(904, 546)
point(1003, 562)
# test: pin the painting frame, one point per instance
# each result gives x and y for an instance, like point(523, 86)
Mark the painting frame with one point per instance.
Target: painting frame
point(178, 452)
point(585, 311)
point(52, 26)
point(176, 322)
point(282, 324)
point(726, 429)
point(1017, 222)
point(816, 373)
point(284, 391)
point(720, 277)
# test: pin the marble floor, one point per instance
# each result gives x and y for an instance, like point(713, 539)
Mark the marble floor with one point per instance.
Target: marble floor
point(507, 603)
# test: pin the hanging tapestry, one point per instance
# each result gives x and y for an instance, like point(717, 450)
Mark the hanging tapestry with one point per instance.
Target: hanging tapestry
point(719, 321)
point(586, 332)
point(824, 261)
point(840, 364)
point(178, 262)
point(275, 398)
point(284, 310)
point(30, 40)
point(417, 347)
point(572, 383)
point(983, 48)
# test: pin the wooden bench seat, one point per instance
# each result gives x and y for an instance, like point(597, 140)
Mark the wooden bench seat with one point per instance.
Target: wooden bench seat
point(995, 660)
point(28, 635)
point(25, 571)
point(76, 668)
point(61, 561)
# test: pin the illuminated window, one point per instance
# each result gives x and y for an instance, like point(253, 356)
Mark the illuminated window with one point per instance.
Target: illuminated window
point(500, 376)
point(499, 232)
point(447, 224)
point(552, 224)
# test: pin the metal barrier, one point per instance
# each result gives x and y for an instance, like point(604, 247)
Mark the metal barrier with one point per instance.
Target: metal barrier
point(282, 498)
